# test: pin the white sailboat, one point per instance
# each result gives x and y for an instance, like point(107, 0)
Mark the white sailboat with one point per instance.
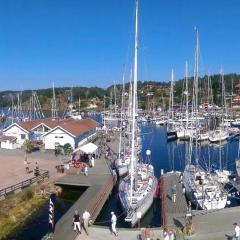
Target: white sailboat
point(137, 189)
point(202, 189)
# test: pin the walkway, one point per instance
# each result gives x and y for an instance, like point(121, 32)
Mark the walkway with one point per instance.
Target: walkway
point(99, 185)
point(175, 212)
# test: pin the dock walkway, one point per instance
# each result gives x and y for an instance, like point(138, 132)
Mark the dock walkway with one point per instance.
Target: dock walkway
point(99, 183)
point(174, 212)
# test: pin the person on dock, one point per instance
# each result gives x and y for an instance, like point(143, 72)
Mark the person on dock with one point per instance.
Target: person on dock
point(92, 161)
point(86, 170)
point(76, 222)
point(174, 193)
point(236, 235)
point(113, 223)
point(86, 218)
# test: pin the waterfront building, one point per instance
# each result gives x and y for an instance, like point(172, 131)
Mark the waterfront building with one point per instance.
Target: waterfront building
point(51, 132)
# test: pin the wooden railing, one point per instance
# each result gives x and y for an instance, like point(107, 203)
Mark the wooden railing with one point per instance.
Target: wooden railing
point(105, 190)
point(23, 184)
point(163, 202)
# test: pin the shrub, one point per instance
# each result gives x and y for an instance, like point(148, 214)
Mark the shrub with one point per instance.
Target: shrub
point(27, 194)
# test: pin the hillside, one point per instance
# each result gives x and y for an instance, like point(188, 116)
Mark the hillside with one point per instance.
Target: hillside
point(150, 93)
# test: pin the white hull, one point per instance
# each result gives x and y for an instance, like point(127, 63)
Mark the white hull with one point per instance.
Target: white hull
point(202, 190)
point(218, 135)
point(142, 197)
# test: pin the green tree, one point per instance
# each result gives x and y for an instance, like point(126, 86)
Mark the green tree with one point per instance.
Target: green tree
point(28, 145)
point(67, 148)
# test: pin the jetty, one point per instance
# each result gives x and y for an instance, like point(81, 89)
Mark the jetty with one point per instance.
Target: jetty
point(99, 184)
point(172, 213)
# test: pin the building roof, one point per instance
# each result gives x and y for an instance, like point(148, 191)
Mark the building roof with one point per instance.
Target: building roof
point(237, 85)
point(74, 127)
point(4, 138)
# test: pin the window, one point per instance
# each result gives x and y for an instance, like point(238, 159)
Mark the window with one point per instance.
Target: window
point(23, 136)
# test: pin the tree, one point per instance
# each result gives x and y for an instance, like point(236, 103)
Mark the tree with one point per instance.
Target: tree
point(67, 148)
point(28, 145)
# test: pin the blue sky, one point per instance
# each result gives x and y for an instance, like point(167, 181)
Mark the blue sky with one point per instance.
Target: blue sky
point(86, 42)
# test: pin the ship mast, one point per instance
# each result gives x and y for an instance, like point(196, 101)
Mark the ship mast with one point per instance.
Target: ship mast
point(135, 77)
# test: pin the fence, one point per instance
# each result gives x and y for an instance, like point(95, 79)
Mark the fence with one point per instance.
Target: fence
point(24, 183)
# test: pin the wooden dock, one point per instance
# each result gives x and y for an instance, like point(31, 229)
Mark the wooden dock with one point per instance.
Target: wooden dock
point(99, 183)
point(173, 214)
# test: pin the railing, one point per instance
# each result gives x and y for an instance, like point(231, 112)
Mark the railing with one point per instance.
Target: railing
point(24, 183)
point(163, 202)
point(103, 192)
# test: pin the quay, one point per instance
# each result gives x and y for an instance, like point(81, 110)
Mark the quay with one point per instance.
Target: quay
point(212, 225)
point(172, 214)
point(99, 184)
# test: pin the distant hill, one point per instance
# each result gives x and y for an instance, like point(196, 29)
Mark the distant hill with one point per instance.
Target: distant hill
point(150, 93)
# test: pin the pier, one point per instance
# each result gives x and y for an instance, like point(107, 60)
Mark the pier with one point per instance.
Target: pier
point(173, 214)
point(99, 184)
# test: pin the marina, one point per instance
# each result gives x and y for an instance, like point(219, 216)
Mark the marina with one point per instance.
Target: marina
point(119, 146)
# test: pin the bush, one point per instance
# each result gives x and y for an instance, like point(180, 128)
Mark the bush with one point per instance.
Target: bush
point(27, 194)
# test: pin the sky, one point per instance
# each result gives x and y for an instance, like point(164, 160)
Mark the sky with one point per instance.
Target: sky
point(87, 42)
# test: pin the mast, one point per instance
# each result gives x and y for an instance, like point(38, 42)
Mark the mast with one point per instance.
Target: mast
point(186, 76)
point(115, 99)
point(54, 105)
point(196, 66)
point(135, 72)
point(121, 114)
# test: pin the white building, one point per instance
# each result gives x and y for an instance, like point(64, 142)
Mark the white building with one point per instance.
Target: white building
point(8, 142)
point(52, 132)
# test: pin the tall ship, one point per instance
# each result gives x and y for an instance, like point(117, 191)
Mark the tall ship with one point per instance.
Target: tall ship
point(136, 190)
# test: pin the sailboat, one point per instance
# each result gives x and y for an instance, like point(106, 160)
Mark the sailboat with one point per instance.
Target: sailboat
point(202, 189)
point(136, 190)
point(221, 133)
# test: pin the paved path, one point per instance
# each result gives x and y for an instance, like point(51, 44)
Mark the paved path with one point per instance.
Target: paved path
point(215, 225)
point(102, 233)
point(13, 171)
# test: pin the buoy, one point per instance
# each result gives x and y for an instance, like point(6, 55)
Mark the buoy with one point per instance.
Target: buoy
point(148, 152)
point(228, 202)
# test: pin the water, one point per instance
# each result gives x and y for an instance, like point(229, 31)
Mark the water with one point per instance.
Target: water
point(38, 227)
point(170, 156)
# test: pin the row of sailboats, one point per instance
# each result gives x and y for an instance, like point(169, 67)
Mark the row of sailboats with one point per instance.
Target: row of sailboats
point(203, 187)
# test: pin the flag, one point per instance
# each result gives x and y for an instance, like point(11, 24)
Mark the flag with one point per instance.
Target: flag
point(51, 223)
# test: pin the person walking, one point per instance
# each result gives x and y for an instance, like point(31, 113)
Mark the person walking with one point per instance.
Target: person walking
point(174, 193)
point(92, 161)
point(236, 235)
point(113, 223)
point(86, 217)
point(86, 170)
point(76, 222)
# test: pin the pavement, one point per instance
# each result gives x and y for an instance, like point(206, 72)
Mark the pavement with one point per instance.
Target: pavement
point(12, 170)
point(104, 233)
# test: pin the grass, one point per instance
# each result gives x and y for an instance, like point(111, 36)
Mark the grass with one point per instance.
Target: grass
point(17, 209)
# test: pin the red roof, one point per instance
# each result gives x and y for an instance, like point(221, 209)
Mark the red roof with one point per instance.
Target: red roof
point(237, 85)
point(75, 127)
